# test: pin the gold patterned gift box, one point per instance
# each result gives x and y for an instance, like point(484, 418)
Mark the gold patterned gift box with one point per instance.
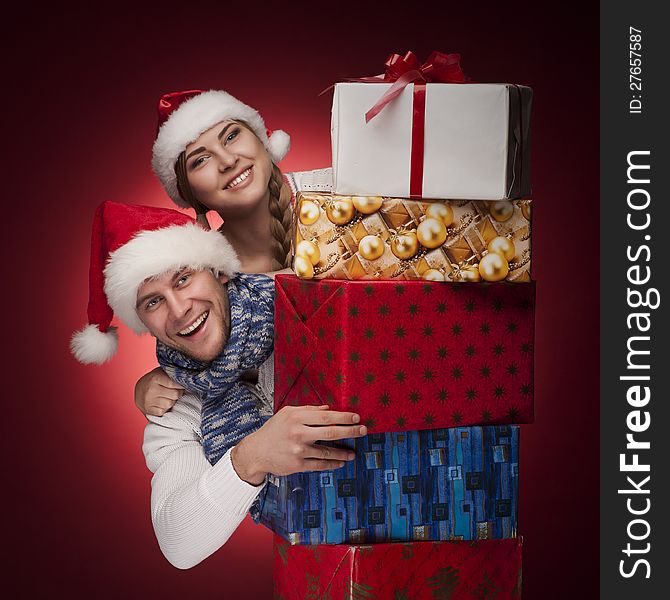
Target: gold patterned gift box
point(374, 237)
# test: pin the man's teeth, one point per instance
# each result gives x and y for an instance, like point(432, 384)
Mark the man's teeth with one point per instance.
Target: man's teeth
point(193, 326)
point(239, 179)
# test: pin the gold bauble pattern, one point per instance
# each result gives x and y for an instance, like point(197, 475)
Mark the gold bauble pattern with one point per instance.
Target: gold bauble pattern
point(367, 204)
point(371, 247)
point(525, 210)
point(433, 275)
point(405, 245)
point(501, 211)
point(502, 245)
point(309, 250)
point(432, 233)
point(303, 267)
point(470, 274)
point(340, 211)
point(309, 212)
point(441, 212)
point(493, 267)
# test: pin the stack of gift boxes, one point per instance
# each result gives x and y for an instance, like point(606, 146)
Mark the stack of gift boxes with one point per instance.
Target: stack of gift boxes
point(413, 306)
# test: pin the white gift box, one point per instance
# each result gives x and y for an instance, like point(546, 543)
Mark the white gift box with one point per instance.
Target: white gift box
point(476, 141)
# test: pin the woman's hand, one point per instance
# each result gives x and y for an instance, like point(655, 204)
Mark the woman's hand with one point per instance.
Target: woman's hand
point(287, 443)
point(156, 393)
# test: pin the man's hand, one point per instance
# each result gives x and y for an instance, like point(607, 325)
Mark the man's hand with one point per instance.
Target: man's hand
point(287, 443)
point(156, 393)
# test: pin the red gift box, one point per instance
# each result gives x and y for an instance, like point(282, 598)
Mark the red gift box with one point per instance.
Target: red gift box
point(406, 355)
point(419, 570)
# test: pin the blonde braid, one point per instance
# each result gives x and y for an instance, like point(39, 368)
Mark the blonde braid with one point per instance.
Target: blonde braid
point(281, 218)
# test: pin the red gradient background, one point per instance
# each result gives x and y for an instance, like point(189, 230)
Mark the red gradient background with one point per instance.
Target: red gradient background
point(80, 94)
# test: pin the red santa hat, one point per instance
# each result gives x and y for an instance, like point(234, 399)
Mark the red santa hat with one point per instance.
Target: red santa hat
point(183, 116)
point(129, 245)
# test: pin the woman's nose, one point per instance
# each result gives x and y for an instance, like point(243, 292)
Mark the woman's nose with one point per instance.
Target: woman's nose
point(227, 159)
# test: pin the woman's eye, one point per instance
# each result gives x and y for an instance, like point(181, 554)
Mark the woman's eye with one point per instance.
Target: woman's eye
point(198, 161)
point(183, 279)
point(232, 135)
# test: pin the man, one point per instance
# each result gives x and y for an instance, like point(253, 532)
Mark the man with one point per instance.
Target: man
point(160, 272)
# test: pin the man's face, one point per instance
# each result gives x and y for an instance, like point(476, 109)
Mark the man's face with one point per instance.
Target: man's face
point(187, 310)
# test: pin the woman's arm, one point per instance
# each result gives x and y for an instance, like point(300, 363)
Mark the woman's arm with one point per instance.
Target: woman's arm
point(156, 393)
point(287, 271)
point(195, 507)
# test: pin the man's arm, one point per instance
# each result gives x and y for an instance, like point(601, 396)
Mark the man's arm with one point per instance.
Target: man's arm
point(195, 507)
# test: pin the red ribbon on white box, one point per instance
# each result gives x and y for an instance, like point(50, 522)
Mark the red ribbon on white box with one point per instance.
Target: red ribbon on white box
point(403, 70)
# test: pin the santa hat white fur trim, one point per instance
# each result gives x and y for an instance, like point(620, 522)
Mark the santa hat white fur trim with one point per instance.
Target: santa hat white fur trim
point(197, 115)
point(153, 253)
point(92, 346)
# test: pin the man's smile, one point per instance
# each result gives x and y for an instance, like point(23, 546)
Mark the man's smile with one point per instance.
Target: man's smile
point(195, 326)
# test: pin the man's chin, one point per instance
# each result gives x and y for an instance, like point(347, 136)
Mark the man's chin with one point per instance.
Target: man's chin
point(200, 354)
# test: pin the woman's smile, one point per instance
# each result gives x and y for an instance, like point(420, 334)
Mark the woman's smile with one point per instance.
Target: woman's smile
point(242, 180)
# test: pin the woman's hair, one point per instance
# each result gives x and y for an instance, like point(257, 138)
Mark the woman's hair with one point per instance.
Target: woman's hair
point(279, 206)
point(280, 220)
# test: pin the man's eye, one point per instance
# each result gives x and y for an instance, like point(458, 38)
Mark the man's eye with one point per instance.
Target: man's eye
point(151, 303)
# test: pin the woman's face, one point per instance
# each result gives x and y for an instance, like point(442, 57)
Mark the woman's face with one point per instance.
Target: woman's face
point(228, 169)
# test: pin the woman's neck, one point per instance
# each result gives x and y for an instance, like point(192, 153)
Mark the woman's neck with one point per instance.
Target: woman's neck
point(251, 238)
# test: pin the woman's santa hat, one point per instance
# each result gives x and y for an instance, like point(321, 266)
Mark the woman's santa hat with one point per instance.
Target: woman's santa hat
point(183, 116)
point(131, 244)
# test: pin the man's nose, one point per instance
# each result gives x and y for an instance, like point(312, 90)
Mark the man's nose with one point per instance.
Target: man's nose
point(179, 306)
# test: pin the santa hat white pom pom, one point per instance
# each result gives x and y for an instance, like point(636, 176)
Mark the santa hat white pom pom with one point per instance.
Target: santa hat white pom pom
point(279, 144)
point(92, 346)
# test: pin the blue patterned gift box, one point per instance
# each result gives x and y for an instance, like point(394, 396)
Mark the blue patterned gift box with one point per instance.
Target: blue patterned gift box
point(441, 484)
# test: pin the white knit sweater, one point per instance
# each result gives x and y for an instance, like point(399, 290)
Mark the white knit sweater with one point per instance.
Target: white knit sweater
point(196, 507)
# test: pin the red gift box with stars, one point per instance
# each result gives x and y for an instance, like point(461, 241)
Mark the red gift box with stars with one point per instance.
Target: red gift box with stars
point(416, 570)
point(406, 355)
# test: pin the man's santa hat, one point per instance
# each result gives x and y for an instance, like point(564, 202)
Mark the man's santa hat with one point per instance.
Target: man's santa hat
point(183, 116)
point(129, 245)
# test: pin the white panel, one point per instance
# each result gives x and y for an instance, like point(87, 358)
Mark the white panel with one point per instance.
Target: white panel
point(465, 150)
point(371, 159)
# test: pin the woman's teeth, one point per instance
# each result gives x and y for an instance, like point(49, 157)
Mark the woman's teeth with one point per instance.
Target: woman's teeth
point(193, 326)
point(239, 179)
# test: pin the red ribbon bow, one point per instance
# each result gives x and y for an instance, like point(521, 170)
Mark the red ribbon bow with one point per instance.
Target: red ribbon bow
point(403, 70)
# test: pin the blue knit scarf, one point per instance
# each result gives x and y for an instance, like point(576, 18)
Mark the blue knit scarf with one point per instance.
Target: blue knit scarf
point(229, 409)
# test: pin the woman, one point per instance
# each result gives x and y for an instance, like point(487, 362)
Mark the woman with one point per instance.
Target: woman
point(213, 152)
